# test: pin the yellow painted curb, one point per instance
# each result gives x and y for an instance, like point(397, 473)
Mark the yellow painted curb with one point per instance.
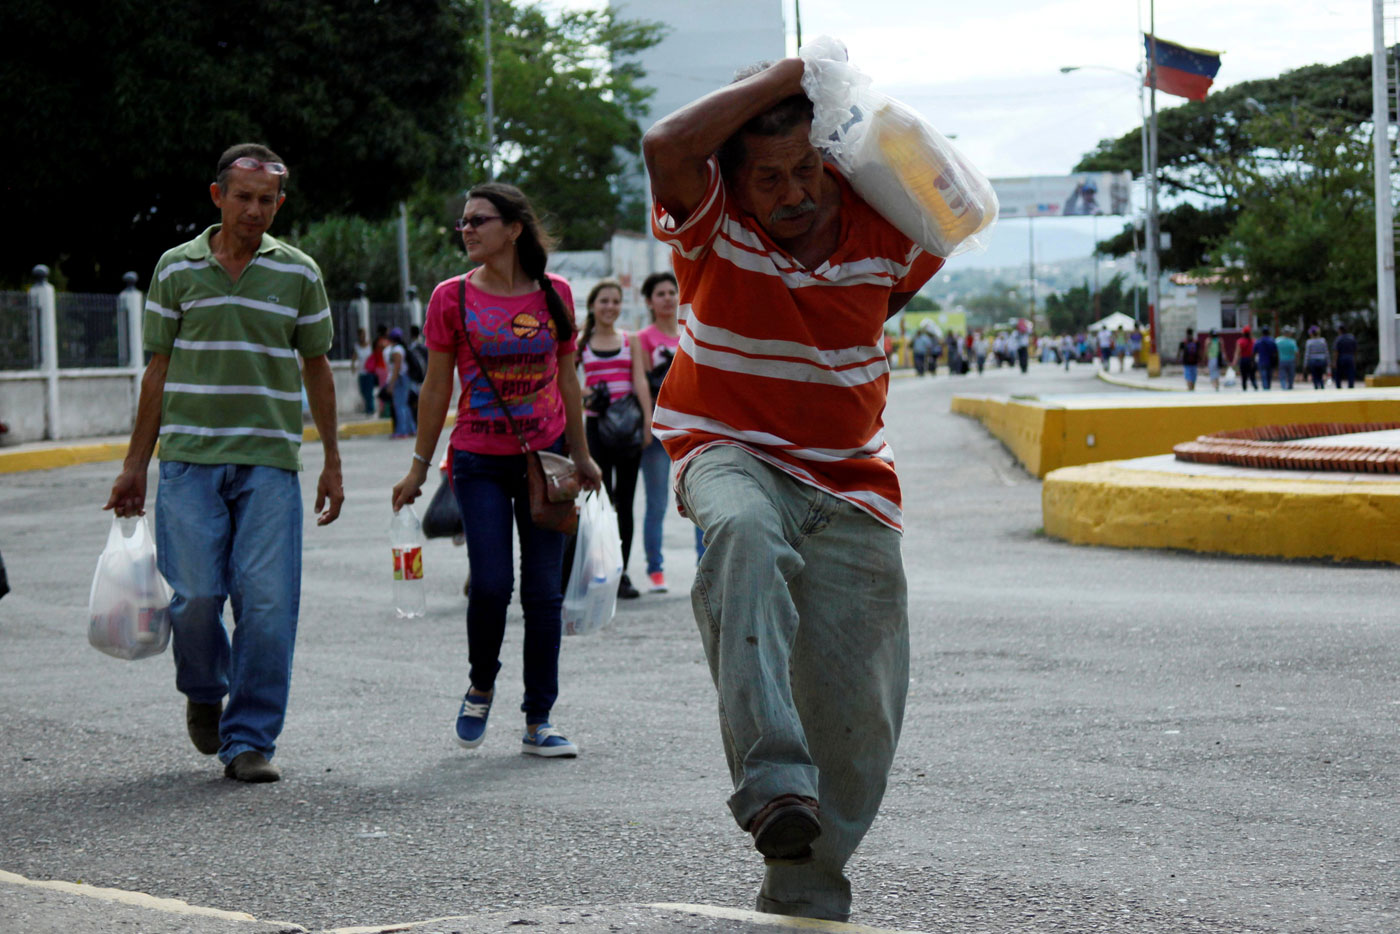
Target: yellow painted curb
point(1046, 436)
point(1033, 431)
point(1109, 504)
point(139, 900)
point(1153, 383)
point(68, 455)
point(65, 456)
point(1376, 381)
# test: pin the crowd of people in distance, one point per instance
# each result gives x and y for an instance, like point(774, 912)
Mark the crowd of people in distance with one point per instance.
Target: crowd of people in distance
point(1253, 362)
point(1016, 347)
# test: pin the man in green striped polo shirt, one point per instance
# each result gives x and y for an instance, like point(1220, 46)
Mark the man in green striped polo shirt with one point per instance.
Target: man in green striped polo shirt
point(227, 316)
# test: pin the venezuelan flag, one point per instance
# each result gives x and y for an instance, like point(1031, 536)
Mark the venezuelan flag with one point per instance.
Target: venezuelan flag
point(1181, 70)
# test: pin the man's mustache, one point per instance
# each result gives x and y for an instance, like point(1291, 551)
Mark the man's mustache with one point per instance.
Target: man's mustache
point(796, 210)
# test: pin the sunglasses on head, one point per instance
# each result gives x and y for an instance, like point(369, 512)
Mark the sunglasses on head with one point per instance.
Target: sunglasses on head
point(252, 165)
point(476, 221)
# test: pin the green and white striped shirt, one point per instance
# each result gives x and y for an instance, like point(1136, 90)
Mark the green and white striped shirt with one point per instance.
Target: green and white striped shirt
point(233, 390)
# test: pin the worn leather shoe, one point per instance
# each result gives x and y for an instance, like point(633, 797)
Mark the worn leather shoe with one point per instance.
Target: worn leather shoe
point(252, 766)
point(783, 831)
point(202, 720)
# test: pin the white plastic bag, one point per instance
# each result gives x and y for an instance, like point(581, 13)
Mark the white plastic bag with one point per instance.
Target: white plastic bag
point(894, 159)
point(591, 598)
point(129, 604)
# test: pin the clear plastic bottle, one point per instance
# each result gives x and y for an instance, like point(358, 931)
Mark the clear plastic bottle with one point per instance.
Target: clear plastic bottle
point(406, 544)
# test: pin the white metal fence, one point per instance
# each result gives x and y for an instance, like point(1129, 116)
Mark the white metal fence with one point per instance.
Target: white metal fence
point(71, 363)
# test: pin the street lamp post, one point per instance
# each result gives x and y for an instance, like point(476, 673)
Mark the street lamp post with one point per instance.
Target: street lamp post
point(1385, 233)
point(1149, 178)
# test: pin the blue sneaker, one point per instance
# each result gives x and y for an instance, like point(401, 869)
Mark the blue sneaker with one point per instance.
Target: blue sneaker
point(471, 720)
point(547, 741)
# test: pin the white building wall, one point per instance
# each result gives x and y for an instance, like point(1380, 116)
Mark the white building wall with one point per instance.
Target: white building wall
point(706, 43)
point(1207, 308)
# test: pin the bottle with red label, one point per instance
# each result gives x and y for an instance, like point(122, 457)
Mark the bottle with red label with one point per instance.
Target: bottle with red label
point(406, 545)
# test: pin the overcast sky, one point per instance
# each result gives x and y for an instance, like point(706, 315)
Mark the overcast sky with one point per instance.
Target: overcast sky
point(988, 71)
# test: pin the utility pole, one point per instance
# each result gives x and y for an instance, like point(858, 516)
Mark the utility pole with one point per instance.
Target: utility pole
point(1030, 224)
point(1153, 236)
point(490, 97)
point(404, 277)
point(1385, 231)
point(797, 15)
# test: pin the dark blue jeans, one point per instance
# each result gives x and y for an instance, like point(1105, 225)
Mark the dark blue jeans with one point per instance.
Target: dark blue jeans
point(492, 493)
point(1345, 370)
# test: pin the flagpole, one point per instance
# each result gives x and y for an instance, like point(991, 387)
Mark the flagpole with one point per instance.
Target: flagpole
point(1385, 234)
point(1153, 237)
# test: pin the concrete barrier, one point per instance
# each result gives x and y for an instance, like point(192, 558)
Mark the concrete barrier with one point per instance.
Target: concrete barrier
point(1113, 504)
point(1069, 431)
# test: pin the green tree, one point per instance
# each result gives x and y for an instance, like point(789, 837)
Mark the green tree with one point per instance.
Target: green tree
point(1303, 243)
point(568, 96)
point(563, 115)
point(1075, 309)
point(997, 303)
point(1200, 141)
point(116, 116)
point(1193, 230)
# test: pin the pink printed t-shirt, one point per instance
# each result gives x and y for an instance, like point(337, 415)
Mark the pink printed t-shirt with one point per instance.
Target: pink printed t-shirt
point(516, 340)
point(657, 348)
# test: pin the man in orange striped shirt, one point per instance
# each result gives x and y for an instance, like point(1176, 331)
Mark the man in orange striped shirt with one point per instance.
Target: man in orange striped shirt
point(772, 412)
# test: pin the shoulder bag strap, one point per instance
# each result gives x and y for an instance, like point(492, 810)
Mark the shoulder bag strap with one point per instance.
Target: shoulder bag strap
point(467, 335)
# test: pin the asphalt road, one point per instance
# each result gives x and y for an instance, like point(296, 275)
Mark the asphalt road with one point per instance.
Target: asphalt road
point(1097, 740)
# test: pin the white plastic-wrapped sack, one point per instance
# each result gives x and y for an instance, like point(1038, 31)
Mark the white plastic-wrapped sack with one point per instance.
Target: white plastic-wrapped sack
point(129, 604)
point(894, 159)
point(591, 598)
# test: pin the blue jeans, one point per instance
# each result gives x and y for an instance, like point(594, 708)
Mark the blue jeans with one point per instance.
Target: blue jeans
point(404, 423)
point(492, 494)
point(808, 648)
point(1266, 375)
point(369, 385)
point(656, 478)
point(1286, 369)
point(233, 531)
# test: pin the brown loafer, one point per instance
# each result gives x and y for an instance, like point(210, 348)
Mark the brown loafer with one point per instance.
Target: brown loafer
point(784, 829)
point(252, 766)
point(202, 720)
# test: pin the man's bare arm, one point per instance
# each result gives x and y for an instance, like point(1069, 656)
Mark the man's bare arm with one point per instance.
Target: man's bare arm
point(897, 302)
point(320, 395)
point(677, 146)
point(128, 496)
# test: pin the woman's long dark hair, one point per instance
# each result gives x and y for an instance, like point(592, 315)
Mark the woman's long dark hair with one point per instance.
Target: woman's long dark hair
point(589, 323)
point(532, 248)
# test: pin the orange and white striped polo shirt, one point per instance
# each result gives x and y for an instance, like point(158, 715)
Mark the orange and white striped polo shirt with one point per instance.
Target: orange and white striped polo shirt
point(784, 361)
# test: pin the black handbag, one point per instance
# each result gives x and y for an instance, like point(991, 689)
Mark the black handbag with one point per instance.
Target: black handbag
point(443, 518)
point(620, 426)
point(657, 374)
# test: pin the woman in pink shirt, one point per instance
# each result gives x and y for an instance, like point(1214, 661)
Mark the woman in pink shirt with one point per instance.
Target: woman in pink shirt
point(612, 366)
point(658, 341)
point(507, 330)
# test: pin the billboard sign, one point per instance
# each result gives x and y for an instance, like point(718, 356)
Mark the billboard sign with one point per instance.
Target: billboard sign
point(1083, 195)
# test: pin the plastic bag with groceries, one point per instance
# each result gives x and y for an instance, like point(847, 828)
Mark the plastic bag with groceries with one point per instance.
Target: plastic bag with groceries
point(129, 604)
point(894, 159)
